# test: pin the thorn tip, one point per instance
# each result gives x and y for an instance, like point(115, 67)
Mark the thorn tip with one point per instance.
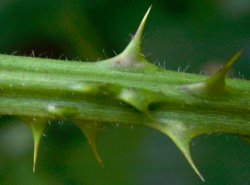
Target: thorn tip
point(217, 83)
point(142, 24)
point(233, 59)
point(134, 47)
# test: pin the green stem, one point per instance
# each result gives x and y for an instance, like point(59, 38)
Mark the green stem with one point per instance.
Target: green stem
point(80, 90)
point(126, 89)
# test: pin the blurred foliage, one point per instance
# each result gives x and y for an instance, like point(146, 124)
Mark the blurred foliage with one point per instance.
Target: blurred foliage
point(184, 35)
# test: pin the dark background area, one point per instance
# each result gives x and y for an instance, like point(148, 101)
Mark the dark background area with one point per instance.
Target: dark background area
point(186, 35)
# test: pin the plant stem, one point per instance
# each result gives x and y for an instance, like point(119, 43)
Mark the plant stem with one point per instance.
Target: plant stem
point(126, 89)
point(79, 90)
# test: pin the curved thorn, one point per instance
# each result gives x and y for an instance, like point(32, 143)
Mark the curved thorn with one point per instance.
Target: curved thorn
point(229, 64)
point(134, 47)
point(131, 59)
point(185, 150)
point(90, 131)
point(138, 35)
point(140, 99)
point(135, 99)
point(181, 136)
point(217, 81)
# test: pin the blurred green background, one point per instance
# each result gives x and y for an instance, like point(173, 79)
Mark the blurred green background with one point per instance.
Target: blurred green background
point(187, 35)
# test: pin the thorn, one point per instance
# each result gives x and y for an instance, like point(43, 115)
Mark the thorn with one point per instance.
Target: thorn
point(37, 127)
point(185, 149)
point(181, 136)
point(217, 81)
point(182, 139)
point(135, 99)
point(37, 131)
point(90, 131)
point(139, 99)
point(131, 59)
point(134, 47)
point(229, 64)
point(139, 32)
